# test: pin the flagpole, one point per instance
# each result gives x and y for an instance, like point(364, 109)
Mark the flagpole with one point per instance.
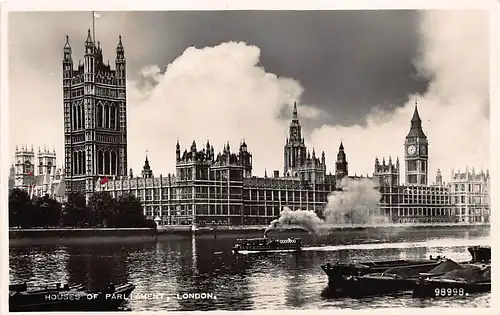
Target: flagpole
point(93, 27)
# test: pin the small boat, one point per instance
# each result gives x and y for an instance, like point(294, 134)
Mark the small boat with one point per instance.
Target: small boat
point(458, 283)
point(62, 297)
point(267, 244)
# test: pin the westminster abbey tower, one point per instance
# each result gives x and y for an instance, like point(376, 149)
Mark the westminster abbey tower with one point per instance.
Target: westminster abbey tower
point(95, 117)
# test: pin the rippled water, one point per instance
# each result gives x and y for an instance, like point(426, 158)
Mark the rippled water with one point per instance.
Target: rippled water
point(171, 267)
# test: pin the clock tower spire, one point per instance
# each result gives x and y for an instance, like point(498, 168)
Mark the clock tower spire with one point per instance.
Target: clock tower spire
point(416, 154)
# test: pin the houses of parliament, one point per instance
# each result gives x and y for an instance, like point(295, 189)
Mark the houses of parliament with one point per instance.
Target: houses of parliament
point(219, 187)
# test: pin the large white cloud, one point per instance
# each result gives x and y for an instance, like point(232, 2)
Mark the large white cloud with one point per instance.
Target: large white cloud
point(218, 93)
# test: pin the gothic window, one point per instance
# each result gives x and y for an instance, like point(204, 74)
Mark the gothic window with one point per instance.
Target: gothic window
point(100, 162)
point(113, 163)
point(107, 163)
point(83, 162)
point(79, 162)
point(82, 123)
point(74, 163)
point(113, 117)
point(106, 116)
point(74, 117)
point(99, 115)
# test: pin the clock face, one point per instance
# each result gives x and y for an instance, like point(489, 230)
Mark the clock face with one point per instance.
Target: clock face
point(423, 150)
point(412, 149)
point(387, 180)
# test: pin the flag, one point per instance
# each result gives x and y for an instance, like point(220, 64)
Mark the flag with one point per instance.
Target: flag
point(96, 15)
point(104, 180)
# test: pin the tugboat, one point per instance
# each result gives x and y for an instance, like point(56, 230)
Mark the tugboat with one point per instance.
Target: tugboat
point(267, 244)
point(59, 297)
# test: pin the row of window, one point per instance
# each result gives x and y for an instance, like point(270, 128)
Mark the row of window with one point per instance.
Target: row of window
point(107, 116)
point(107, 162)
point(418, 211)
point(477, 188)
point(204, 173)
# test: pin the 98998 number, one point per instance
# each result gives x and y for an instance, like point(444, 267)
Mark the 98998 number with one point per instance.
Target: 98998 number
point(450, 292)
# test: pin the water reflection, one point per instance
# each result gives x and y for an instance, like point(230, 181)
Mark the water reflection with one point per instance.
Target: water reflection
point(175, 266)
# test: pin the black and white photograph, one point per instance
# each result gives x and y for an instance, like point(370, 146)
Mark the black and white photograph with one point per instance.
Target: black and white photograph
point(248, 160)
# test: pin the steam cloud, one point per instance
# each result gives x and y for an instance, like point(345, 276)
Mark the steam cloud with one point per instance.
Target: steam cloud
point(357, 203)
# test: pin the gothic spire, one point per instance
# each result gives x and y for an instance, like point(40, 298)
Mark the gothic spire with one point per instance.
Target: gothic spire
point(294, 115)
point(89, 38)
point(67, 46)
point(416, 125)
point(416, 117)
point(341, 147)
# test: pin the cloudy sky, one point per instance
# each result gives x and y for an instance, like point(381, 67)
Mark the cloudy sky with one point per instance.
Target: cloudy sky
point(234, 75)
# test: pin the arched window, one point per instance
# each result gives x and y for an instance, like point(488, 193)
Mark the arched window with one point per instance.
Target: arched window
point(83, 162)
point(82, 117)
point(113, 163)
point(107, 164)
point(75, 163)
point(79, 162)
point(100, 162)
point(74, 118)
point(113, 117)
point(106, 116)
point(99, 115)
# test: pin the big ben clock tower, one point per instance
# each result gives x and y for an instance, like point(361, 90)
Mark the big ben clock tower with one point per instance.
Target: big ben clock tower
point(416, 154)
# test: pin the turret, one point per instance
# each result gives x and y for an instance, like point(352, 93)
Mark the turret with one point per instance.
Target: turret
point(120, 64)
point(89, 44)
point(146, 170)
point(439, 178)
point(178, 151)
point(193, 151)
point(67, 57)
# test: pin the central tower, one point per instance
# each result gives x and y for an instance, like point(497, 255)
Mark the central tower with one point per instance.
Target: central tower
point(95, 117)
point(295, 149)
point(416, 153)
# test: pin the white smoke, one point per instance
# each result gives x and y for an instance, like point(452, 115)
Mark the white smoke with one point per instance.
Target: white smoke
point(305, 218)
point(357, 203)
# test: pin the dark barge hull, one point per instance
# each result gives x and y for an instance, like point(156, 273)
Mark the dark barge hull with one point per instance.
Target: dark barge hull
point(337, 272)
point(76, 301)
point(364, 286)
point(428, 288)
point(373, 284)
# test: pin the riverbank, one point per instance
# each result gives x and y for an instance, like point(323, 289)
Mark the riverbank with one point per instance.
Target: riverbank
point(187, 231)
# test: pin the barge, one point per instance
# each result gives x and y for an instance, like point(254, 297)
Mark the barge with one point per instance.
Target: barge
point(391, 277)
point(58, 297)
point(267, 244)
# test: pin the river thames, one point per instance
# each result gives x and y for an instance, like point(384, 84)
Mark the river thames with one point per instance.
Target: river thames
point(174, 273)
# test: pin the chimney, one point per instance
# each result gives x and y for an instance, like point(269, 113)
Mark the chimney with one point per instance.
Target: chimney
point(276, 174)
